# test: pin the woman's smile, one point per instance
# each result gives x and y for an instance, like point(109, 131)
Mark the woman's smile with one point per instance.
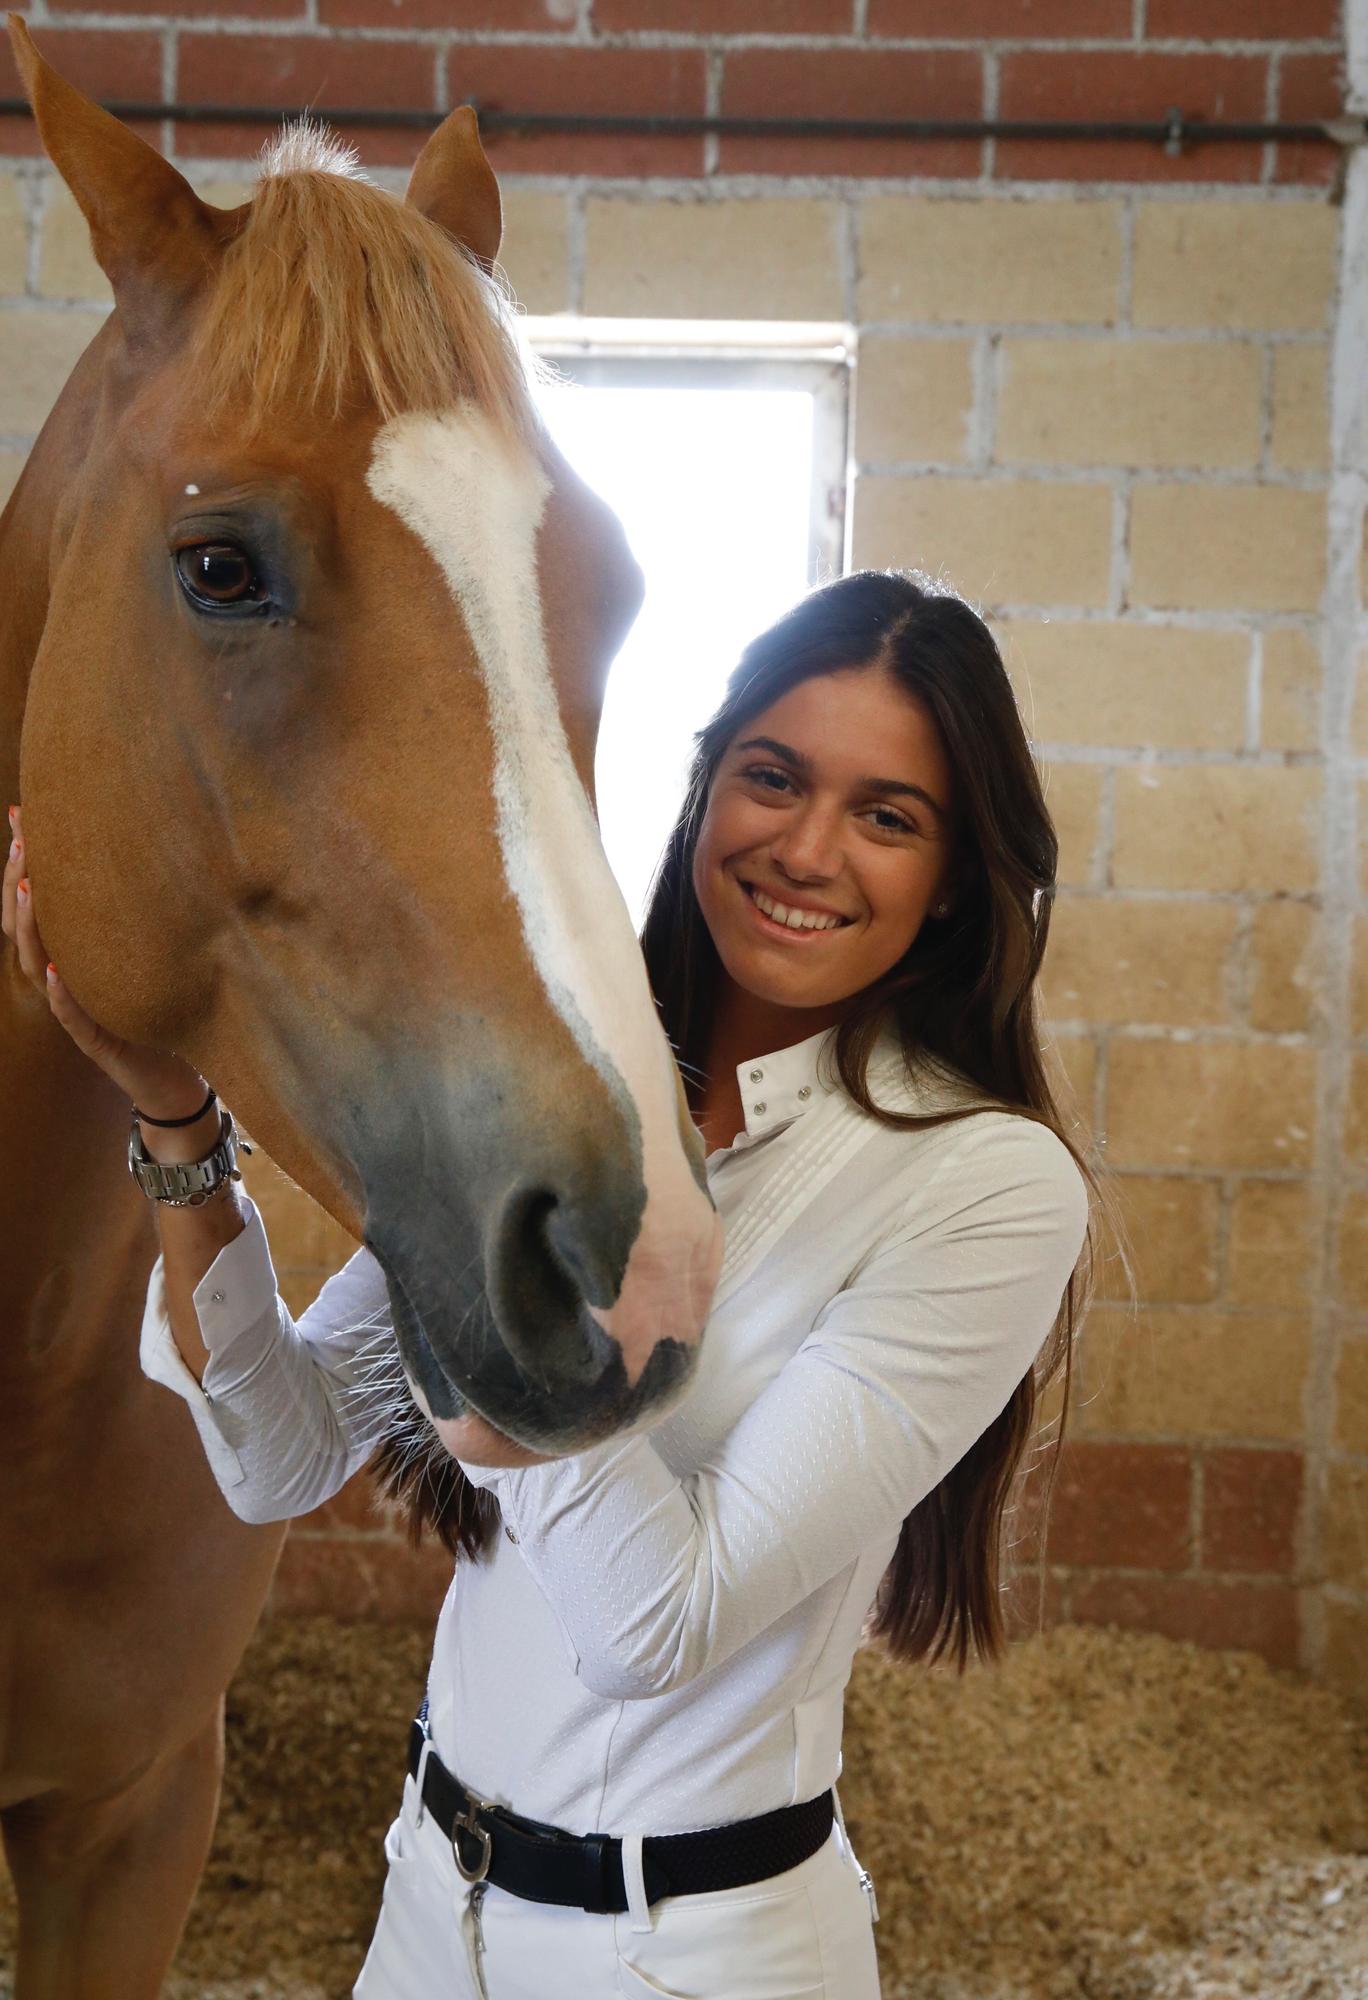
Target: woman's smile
point(792, 921)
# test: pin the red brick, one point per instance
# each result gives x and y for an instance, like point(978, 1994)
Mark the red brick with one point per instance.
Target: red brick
point(1310, 87)
point(1250, 1503)
point(360, 1578)
point(1005, 20)
point(106, 63)
point(1102, 85)
point(646, 82)
point(852, 83)
point(727, 17)
point(1124, 1506)
point(1243, 20)
point(189, 10)
point(533, 15)
point(298, 72)
point(1256, 1617)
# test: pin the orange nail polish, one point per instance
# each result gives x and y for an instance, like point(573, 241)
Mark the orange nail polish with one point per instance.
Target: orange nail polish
point(24, 887)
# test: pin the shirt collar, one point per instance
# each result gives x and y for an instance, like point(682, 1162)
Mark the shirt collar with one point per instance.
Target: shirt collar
point(781, 1086)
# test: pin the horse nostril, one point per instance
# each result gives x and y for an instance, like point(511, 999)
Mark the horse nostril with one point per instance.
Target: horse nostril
point(548, 1259)
point(583, 1252)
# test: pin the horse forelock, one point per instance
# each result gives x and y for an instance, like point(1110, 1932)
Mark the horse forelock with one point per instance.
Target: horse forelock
point(333, 290)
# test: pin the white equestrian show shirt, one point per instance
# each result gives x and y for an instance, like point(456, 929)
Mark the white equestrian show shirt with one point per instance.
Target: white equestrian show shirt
point(661, 1634)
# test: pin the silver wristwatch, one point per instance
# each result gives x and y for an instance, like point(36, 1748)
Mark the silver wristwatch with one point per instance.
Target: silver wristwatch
point(187, 1183)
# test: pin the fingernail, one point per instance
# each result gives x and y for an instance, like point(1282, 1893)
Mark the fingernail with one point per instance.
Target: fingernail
point(24, 890)
point(14, 849)
point(12, 811)
point(51, 974)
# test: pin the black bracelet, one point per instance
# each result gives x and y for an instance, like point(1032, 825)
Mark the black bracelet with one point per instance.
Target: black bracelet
point(193, 1119)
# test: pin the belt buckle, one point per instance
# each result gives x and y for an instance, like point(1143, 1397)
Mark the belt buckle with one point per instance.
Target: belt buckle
point(468, 1823)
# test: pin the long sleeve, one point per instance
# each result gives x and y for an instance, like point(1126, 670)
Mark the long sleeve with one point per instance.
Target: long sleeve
point(657, 1579)
point(287, 1411)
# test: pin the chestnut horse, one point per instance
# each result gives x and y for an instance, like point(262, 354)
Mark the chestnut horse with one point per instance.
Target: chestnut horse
point(303, 632)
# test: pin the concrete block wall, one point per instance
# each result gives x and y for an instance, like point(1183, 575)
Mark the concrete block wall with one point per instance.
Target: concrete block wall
point(1094, 389)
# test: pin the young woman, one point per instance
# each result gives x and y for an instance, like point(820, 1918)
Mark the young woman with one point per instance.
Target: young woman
point(622, 1782)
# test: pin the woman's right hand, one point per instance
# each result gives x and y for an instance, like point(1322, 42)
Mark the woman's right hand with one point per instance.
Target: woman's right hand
point(159, 1084)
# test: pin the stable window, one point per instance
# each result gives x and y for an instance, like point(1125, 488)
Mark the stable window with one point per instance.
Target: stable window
point(723, 450)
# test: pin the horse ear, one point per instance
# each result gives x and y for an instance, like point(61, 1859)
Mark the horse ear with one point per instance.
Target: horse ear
point(152, 235)
point(453, 185)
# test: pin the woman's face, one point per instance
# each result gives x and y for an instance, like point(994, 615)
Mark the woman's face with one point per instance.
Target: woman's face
point(826, 839)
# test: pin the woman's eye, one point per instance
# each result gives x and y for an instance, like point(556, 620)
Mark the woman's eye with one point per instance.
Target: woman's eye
point(769, 776)
point(219, 573)
point(892, 822)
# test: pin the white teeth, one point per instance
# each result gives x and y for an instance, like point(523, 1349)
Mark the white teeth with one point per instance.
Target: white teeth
point(796, 920)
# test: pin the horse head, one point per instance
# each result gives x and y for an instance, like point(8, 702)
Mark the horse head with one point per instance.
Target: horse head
point(316, 622)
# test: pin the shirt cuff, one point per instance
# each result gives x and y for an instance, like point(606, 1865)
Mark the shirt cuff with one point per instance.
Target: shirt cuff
point(231, 1296)
point(239, 1286)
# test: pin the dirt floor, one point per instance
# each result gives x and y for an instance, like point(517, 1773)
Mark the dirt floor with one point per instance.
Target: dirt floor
point(1108, 1816)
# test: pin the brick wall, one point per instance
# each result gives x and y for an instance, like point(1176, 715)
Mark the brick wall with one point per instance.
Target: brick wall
point(1093, 388)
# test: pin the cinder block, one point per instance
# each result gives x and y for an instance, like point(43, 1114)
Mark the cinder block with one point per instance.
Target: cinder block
point(1290, 697)
point(1171, 1222)
point(1111, 959)
point(1344, 1525)
point(13, 235)
point(988, 259)
point(1301, 409)
point(1359, 992)
point(38, 350)
point(1360, 715)
point(751, 259)
point(1351, 1396)
point(536, 249)
point(1194, 1371)
point(1289, 986)
point(1356, 1111)
point(1352, 1253)
point(1129, 402)
point(1070, 1066)
point(1217, 826)
point(1073, 798)
point(914, 400)
point(1346, 1643)
point(1111, 684)
point(11, 465)
point(1237, 1106)
point(997, 541)
point(1218, 548)
point(1249, 266)
point(1272, 1247)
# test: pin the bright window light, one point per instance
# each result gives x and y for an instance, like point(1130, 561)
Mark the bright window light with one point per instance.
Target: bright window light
point(714, 486)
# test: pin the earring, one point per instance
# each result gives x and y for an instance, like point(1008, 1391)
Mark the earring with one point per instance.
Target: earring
point(942, 909)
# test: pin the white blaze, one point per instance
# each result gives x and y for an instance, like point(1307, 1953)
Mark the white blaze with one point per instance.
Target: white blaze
point(476, 506)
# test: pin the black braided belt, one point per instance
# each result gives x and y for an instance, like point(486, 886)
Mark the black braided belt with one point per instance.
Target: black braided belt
point(544, 1864)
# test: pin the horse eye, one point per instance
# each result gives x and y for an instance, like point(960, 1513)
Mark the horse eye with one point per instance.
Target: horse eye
point(217, 573)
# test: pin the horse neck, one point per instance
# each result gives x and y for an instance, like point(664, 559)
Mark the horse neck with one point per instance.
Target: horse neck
point(68, 1210)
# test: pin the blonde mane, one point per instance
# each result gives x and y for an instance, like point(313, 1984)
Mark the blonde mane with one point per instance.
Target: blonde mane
point(334, 290)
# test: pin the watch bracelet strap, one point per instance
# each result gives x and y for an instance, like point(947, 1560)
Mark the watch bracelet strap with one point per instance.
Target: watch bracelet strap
point(187, 1183)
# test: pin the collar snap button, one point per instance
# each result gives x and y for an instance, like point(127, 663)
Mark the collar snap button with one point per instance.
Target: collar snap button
point(806, 1091)
point(758, 1109)
point(756, 1075)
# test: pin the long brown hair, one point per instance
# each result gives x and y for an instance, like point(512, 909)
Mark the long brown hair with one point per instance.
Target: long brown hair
point(961, 997)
